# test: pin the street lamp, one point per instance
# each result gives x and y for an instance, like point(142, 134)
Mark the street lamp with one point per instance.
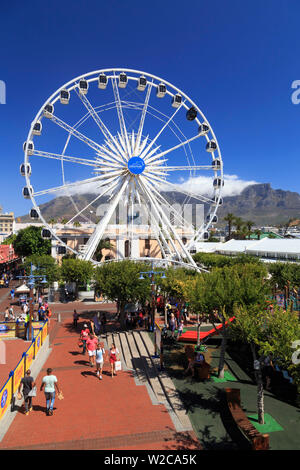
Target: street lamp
point(31, 280)
point(152, 275)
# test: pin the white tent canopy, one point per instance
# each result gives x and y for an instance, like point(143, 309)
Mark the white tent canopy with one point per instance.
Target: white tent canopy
point(22, 288)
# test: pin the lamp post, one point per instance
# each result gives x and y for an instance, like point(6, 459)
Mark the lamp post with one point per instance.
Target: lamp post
point(31, 279)
point(152, 275)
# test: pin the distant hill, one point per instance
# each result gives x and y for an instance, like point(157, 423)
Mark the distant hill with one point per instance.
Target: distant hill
point(258, 203)
point(263, 205)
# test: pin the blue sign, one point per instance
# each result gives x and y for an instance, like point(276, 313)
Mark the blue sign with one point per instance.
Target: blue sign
point(4, 398)
point(136, 165)
point(3, 328)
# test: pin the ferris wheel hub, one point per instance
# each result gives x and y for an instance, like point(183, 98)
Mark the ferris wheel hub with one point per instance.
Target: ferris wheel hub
point(136, 165)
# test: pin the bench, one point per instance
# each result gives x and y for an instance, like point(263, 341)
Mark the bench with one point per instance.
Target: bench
point(258, 441)
point(200, 372)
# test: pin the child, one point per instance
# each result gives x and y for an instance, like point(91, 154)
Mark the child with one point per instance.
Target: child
point(180, 330)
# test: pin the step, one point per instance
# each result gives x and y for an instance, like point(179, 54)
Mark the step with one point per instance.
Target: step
point(125, 350)
point(150, 370)
point(136, 362)
point(168, 386)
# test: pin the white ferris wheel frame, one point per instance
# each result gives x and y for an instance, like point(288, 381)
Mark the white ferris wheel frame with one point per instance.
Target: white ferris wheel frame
point(184, 257)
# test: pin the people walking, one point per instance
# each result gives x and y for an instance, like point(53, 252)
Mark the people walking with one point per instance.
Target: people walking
point(91, 344)
point(12, 294)
point(84, 335)
point(113, 357)
point(75, 318)
point(100, 353)
point(103, 322)
point(28, 384)
point(6, 314)
point(50, 383)
point(180, 330)
point(172, 324)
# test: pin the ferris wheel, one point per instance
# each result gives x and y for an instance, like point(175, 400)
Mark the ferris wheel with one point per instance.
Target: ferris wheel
point(128, 138)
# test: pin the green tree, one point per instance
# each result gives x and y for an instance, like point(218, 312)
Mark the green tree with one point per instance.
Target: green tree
point(281, 330)
point(249, 224)
point(76, 223)
point(45, 265)
point(102, 245)
point(238, 222)
point(9, 240)
point(120, 283)
point(268, 331)
point(76, 270)
point(258, 233)
point(247, 327)
point(29, 242)
point(221, 290)
point(229, 218)
point(52, 222)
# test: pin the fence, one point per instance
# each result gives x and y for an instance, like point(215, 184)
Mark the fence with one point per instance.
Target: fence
point(9, 389)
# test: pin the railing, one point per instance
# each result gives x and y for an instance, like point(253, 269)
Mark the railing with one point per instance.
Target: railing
point(9, 389)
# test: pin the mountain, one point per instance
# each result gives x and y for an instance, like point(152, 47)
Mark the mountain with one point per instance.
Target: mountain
point(259, 203)
point(263, 205)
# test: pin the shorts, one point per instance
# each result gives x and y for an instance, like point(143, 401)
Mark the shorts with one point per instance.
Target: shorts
point(99, 364)
point(92, 353)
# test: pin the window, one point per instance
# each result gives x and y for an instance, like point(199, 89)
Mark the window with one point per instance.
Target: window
point(147, 244)
point(127, 248)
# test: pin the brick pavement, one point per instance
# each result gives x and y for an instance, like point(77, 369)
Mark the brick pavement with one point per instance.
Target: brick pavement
point(113, 413)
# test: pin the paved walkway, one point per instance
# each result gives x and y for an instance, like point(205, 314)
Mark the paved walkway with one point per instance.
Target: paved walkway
point(113, 413)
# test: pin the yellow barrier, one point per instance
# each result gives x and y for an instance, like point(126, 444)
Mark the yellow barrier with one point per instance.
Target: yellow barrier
point(16, 375)
point(5, 397)
point(29, 356)
point(38, 343)
point(44, 332)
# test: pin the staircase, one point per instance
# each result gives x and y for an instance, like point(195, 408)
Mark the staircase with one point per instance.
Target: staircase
point(137, 355)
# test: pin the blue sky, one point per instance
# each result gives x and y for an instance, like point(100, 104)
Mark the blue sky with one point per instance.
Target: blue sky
point(236, 59)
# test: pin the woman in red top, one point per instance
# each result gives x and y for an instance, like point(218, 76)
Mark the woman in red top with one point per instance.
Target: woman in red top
point(113, 357)
point(84, 335)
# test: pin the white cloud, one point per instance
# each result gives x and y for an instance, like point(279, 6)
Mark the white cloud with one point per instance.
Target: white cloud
point(202, 185)
point(199, 185)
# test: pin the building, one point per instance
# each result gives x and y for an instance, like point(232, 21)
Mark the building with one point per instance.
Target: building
point(6, 223)
point(267, 249)
point(126, 241)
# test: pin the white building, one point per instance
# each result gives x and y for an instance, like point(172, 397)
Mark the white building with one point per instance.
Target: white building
point(267, 249)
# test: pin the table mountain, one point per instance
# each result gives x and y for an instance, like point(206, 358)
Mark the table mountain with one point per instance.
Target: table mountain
point(258, 202)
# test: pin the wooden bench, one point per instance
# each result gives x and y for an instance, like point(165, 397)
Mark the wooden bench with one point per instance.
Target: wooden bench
point(258, 441)
point(200, 372)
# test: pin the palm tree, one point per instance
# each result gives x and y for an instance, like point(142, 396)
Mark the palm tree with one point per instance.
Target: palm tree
point(230, 219)
point(77, 224)
point(249, 224)
point(102, 245)
point(258, 233)
point(239, 223)
point(63, 221)
point(52, 222)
